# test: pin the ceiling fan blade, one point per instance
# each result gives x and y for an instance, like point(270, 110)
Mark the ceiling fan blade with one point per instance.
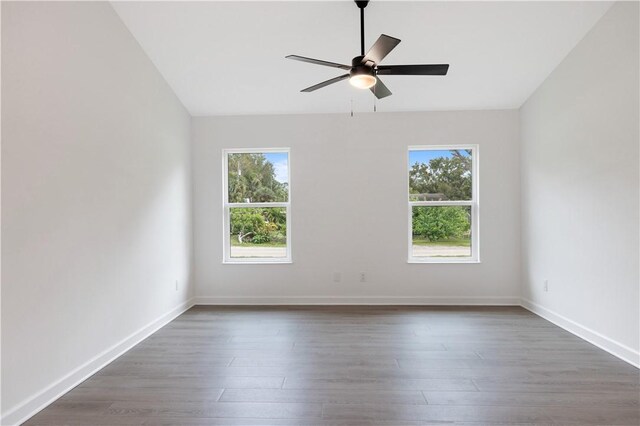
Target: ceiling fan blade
point(325, 83)
point(433, 69)
point(318, 62)
point(381, 48)
point(380, 90)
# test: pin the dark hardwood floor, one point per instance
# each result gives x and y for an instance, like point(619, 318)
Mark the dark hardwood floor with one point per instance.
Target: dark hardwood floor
point(356, 366)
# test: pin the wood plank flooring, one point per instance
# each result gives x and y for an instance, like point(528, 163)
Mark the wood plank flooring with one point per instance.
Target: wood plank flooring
point(356, 366)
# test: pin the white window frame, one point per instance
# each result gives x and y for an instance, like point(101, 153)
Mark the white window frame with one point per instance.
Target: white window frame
point(226, 208)
point(474, 203)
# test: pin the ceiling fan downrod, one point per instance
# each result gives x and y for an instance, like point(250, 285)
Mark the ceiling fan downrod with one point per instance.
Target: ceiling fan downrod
point(361, 5)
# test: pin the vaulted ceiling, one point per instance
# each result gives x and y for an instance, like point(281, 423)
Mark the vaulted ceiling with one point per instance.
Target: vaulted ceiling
point(225, 58)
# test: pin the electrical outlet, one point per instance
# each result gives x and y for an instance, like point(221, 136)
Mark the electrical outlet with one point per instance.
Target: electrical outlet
point(546, 285)
point(337, 277)
point(363, 277)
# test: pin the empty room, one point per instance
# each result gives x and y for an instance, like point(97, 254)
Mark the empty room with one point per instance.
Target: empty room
point(323, 213)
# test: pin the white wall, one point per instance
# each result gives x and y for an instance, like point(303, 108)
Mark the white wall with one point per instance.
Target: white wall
point(580, 188)
point(349, 209)
point(95, 195)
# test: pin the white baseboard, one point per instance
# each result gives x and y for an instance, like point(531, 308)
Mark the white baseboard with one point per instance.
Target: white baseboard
point(617, 349)
point(358, 300)
point(32, 405)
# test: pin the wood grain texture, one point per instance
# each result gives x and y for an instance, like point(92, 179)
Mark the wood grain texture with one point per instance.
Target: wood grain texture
point(356, 366)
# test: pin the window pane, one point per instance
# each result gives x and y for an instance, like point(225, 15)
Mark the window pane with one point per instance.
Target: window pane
point(258, 177)
point(443, 231)
point(438, 175)
point(258, 232)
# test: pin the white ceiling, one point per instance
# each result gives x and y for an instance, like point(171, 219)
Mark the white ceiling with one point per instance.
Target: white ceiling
point(225, 58)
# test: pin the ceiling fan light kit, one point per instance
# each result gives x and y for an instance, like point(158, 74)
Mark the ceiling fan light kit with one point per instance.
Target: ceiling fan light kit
point(365, 69)
point(363, 81)
point(361, 75)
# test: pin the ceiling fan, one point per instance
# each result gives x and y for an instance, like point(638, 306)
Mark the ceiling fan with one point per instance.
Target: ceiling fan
point(365, 69)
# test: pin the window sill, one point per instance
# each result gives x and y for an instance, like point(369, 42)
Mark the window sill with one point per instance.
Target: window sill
point(443, 261)
point(257, 262)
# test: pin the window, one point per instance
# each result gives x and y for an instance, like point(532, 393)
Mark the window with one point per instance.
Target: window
point(257, 202)
point(443, 204)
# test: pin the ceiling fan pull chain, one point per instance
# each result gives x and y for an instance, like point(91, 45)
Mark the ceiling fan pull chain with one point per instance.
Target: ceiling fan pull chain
point(352, 107)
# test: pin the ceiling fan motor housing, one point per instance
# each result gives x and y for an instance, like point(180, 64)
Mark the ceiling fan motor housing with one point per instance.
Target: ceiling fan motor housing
point(358, 67)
